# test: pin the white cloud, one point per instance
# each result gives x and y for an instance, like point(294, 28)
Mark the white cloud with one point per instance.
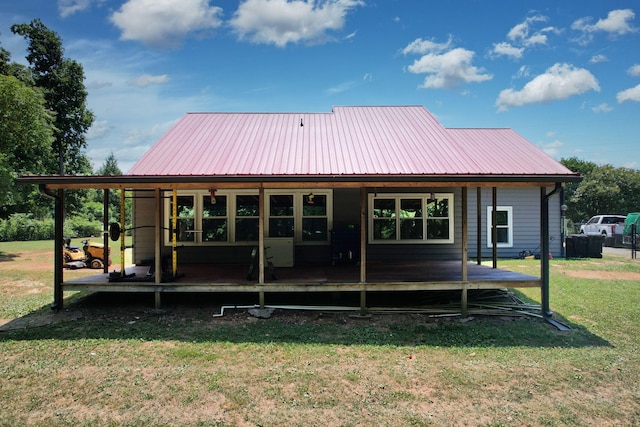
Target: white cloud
point(522, 34)
point(595, 59)
point(616, 23)
point(632, 94)
point(69, 7)
point(280, 22)
point(559, 82)
point(343, 87)
point(420, 47)
point(602, 108)
point(147, 79)
point(634, 70)
point(98, 129)
point(507, 49)
point(445, 69)
point(165, 23)
point(523, 72)
point(552, 148)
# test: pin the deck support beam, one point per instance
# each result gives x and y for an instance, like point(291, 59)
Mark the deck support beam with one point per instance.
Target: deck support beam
point(58, 277)
point(157, 245)
point(479, 225)
point(494, 226)
point(465, 248)
point(544, 245)
point(105, 232)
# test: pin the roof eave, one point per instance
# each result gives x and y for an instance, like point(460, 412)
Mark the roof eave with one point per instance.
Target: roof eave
point(178, 181)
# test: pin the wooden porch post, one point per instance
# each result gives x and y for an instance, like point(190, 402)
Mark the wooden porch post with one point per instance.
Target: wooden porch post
point(261, 229)
point(158, 245)
point(58, 276)
point(494, 227)
point(105, 233)
point(363, 249)
point(465, 244)
point(479, 225)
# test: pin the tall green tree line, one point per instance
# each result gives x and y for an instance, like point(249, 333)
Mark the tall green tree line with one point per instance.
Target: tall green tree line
point(603, 190)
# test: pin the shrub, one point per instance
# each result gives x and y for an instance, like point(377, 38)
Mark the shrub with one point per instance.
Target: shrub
point(23, 227)
point(20, 227)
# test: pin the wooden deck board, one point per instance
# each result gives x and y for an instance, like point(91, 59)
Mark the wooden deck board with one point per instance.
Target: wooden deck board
point(429, 275)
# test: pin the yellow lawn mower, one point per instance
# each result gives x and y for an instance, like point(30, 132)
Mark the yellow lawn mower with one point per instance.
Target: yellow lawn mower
point(91, 255)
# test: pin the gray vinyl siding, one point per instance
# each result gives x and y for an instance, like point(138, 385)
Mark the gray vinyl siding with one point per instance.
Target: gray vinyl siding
point(525, 203)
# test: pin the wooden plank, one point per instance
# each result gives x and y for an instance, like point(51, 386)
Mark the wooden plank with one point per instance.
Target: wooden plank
point(363, 234)
point(225, 183)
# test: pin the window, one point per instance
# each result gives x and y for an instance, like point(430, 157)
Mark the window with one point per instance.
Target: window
point(232, 217)
point(411, 218)
point(247, 217)
point(214, 219)
point(504, 226)
point(314, 217)
point(185, 212)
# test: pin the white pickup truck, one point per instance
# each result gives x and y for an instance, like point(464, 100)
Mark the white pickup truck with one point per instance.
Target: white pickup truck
point(604, 225)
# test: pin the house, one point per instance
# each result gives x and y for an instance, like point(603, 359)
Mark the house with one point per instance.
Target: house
point(372, 188)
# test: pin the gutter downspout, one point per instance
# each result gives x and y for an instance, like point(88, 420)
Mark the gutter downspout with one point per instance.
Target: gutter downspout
point(544, 255)
point(58, 277)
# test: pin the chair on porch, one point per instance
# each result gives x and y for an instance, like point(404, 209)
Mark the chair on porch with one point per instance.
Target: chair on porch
point(253, 267)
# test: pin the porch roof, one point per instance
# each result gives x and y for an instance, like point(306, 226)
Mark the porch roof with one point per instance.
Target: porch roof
point(375, 144)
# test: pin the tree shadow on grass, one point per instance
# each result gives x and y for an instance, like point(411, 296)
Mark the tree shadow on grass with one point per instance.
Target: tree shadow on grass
point(400, 319)
point(4, 256)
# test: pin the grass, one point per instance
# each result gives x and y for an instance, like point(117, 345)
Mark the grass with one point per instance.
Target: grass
point(112, 360)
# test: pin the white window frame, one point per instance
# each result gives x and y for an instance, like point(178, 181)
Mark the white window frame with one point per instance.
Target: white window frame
point(298, 200)
point(509, 226)
point(424, 197)
point(298, 197)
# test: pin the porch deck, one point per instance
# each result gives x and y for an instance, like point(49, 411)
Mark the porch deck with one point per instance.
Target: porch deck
point(381, 276)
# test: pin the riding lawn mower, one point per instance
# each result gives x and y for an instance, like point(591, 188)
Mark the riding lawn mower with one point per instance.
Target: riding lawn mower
point(91, 255)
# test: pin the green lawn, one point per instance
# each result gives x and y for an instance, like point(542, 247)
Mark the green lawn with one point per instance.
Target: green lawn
point(109, 360)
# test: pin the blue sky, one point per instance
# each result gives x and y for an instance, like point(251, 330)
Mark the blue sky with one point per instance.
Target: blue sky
point(564, 74)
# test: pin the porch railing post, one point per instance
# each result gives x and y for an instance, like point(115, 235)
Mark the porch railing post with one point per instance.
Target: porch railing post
point(58, 277)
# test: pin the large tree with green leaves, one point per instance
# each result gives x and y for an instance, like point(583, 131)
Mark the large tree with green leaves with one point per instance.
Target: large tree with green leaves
point(26, 134)
point(603, 190)
point(62, 83)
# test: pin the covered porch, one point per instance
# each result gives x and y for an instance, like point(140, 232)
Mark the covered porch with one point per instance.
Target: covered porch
point(367, 274)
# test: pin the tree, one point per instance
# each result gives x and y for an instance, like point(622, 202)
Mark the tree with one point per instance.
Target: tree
point(62, 82)
point(603, 190)
point(26, 133)
point(110, 166)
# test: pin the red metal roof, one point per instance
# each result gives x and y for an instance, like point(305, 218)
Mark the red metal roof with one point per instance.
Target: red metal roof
point(398, 140)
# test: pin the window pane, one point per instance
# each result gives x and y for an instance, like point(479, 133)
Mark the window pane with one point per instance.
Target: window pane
point(314, 205)
point(411, 229)
point(437, 229)
point(502, 218)
point(214, 230)
point(503, 235)
point(411, 208)
point(247, 230)
point(384, 208)
point(384, 229)
point(247, 206)
point(185, 230)
point(314, 229)
point(438, 208)
point(185, 206)
point(280, 227)
point(219, 208)
point(281, 205)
